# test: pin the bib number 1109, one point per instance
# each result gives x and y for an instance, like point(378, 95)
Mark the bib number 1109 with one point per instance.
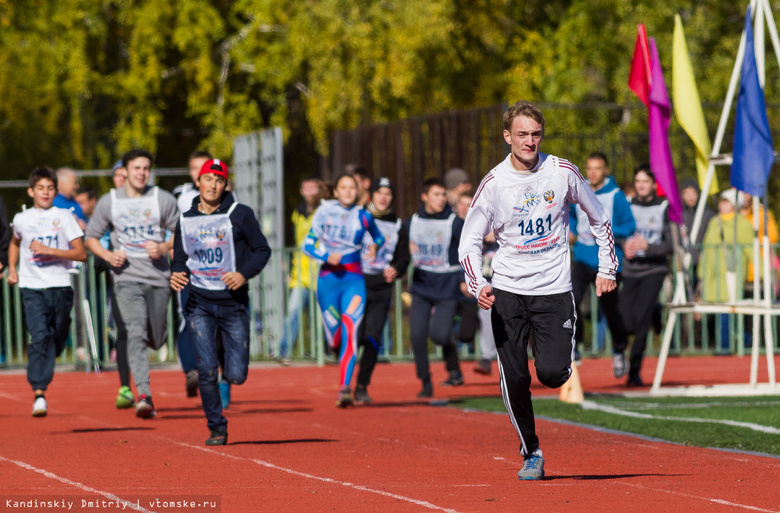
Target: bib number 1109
point(536, 226)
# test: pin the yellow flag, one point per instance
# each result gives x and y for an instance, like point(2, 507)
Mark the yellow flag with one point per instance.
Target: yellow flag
point(687, 105)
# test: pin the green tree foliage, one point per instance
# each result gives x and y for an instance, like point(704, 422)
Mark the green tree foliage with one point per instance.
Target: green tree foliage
point(84, 80)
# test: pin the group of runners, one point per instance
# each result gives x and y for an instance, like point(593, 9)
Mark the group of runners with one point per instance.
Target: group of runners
point(217, 246)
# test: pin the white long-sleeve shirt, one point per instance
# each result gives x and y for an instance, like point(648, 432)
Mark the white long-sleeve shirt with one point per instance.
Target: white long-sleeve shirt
point(529, 216)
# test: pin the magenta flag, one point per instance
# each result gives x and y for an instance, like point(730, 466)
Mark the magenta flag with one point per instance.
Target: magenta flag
point(658, 116)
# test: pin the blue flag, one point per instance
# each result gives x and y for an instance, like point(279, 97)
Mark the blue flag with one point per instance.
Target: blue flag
point(752, 151)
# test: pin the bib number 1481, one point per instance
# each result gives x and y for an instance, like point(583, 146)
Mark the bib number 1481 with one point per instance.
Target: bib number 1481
point(536, 226)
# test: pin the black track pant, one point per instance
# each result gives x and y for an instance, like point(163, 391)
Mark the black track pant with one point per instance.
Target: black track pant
point(434, 318)
point(581, 278)
point(377, 307)
point(639, 298)
point(547, 320)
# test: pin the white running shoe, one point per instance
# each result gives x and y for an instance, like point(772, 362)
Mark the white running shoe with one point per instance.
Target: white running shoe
point(533, 467)
point(39, 407)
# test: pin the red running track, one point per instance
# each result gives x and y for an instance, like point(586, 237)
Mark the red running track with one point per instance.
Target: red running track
point(290, 449)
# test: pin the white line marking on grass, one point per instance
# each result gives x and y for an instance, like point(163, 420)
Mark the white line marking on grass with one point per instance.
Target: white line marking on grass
point(590, 405)
point(80, 486)
point(323, 479)
point(708, 499)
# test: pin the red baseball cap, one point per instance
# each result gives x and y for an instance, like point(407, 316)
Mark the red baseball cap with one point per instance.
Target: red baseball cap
point(215, 166)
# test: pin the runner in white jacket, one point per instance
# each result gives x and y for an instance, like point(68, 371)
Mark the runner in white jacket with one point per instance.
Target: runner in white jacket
point(525, 202)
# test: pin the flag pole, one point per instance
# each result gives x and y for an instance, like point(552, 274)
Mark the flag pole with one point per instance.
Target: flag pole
point(724, 118)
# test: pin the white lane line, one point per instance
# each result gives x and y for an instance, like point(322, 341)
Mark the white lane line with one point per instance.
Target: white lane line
point(708, 499)
point(320, 478)
point(80, 486)
point(590, 405)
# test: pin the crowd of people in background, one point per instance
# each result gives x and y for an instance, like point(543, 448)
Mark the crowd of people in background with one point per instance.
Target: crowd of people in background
point(351, 247)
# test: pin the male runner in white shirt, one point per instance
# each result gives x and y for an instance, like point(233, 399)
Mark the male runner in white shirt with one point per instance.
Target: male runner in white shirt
point(524, 201)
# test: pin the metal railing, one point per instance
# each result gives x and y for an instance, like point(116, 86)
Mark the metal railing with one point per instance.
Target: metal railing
point(695, 335)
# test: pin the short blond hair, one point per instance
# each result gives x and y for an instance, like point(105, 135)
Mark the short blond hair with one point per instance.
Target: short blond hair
point(523, 108)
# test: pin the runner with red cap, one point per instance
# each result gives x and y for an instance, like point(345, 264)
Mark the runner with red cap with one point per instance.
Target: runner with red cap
point(218, 247)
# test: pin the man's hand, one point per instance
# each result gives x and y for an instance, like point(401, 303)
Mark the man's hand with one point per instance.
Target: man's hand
point(334, 258)
point(486, 297)
point(234, 280)
point(604, 285)
point(154, 249)
point(179, 281)
point(2, 270)
point(13, 278)
point(117, 258)
point(39, 248)
point(390, 274)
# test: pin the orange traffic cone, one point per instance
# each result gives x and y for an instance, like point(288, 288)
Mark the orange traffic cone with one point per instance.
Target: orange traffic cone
point(571, 391)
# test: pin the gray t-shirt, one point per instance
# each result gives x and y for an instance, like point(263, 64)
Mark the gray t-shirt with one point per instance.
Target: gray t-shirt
point(137, 269)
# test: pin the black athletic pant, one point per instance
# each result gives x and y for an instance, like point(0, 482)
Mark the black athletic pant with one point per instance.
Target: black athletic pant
point(468, 311)
point(549, 322)
point(438, 326)
point(370, 334)
point(639, 298)
point(581, 278)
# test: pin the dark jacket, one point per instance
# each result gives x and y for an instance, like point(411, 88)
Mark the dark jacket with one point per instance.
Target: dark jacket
point(252, 250)
point(5, 235)
point(439, 285)
point(652, 220)
point(401, 255)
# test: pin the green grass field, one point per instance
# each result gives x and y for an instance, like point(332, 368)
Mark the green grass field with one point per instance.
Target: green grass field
point(743, 423)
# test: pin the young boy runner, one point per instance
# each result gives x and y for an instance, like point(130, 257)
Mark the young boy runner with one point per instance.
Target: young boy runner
point(48, 239)
point(434, 234)
point(138, 216)
point(218, 247)
point(525, 201)
point(391, 262)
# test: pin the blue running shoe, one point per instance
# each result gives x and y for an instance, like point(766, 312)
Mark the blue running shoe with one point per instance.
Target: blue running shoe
point(224, 393)
point(533, 467)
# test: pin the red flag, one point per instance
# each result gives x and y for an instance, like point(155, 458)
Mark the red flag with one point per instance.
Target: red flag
point(639, 77)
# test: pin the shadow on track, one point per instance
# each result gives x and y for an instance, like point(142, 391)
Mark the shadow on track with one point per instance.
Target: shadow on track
point(600, 477)
point(102, 430)
point(280, 442)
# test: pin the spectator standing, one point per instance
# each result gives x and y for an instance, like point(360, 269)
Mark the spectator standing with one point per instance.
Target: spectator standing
point(586, 264)
point(67, 185)
point(434, 235)
point(690, 196)
point(218, 248)
point(726, 251)
point(5, 240)
point(379, 273)
point(645, 266)
point(300, 284)
point(138, 216)
point(524, 201)
point(46, 241)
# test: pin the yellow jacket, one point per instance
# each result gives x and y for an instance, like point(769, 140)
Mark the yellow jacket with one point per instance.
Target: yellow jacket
point(300, 274)
point(772, 232)
point(714, 261)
